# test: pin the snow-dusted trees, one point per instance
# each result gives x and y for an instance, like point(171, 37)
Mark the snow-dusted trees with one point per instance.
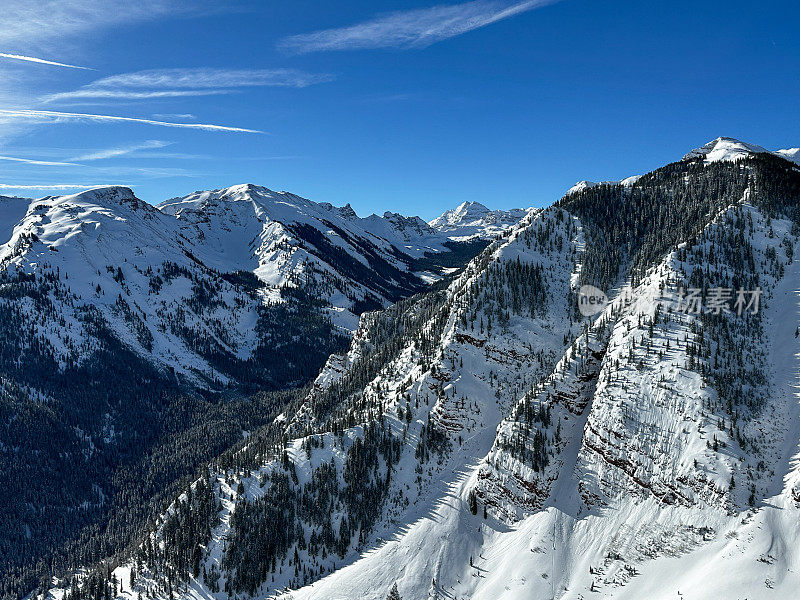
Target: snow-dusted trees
point(394, 594)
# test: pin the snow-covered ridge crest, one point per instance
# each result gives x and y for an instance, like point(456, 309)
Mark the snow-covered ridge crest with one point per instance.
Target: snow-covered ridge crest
point(408, 233)
point(728, 148)
point(719, 149)
point(356, 263)
point(585, 185)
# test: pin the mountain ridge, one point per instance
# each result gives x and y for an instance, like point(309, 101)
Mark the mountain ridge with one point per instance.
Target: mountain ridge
point(554, 466)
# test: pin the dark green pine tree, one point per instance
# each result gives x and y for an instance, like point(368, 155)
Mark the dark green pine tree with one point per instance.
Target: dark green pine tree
point(473, 502)
point(394, 594)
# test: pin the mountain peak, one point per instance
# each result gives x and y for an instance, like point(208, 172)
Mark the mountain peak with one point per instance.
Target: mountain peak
point(246, 188)
point(463, 213)
point(728, 148)
point(473, 218)
point(724, 148)
point(471, 208)
point(347, 212)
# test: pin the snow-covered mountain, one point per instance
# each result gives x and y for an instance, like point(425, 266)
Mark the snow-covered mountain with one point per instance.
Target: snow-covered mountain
point(132, 331)
point(486, 440)
point(187, 280)
point(792, 154)
point(103, 258)
point(366, 262)
point(470, 219)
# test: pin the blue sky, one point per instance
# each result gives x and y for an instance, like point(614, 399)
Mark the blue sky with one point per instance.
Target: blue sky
point(405, 106)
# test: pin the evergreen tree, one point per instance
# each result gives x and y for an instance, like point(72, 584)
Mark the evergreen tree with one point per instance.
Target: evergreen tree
point(394, 594)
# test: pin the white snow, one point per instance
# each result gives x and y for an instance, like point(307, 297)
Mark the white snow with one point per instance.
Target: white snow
point(724, 148)
point(139, 265)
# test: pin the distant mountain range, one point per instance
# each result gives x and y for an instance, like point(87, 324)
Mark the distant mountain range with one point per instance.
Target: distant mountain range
point(184, 279)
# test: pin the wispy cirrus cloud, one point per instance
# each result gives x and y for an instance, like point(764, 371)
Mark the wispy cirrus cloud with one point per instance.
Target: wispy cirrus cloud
point(166, 83)
point(47, 23)
point(211, 78)
point(184, 116)
point(61, 30)
point(122, 150)
point(55, 186)
point(416, 28)
point(30, 161)
point(41, 61)
point(50, 116)
point(87, 93)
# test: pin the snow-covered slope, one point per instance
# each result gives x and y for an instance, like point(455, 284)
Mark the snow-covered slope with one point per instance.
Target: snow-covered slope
point(284, 238)
point(792, 154)
point(661, 449)
point(440, 408)
point(723, 148)
point(146, 340)
point(471, 219)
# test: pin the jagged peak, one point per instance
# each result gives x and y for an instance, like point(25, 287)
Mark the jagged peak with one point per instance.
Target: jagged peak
point(470, 208)
point(347, 212)
point(467, 212)
point(470, 219)
point(471, 205)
